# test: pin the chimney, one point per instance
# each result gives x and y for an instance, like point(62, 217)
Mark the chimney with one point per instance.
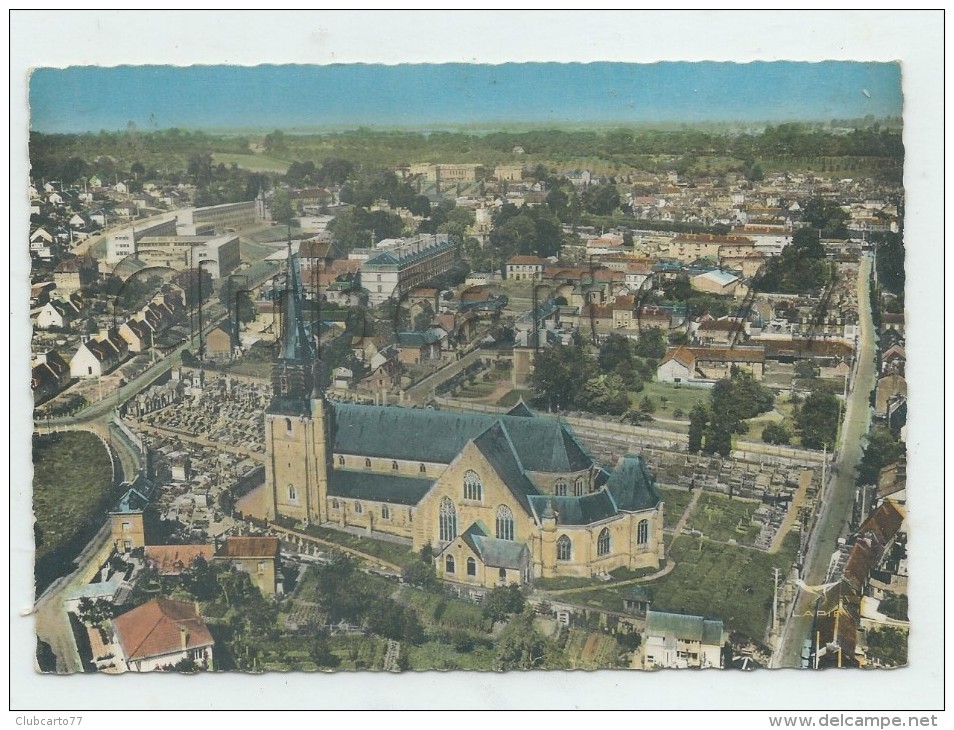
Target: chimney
point(183, 637)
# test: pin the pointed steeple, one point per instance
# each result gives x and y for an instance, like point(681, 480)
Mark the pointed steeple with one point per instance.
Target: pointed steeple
point(293, 372)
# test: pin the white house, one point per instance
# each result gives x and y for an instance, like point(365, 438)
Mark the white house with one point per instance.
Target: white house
point(677, 641)
point(160, 634)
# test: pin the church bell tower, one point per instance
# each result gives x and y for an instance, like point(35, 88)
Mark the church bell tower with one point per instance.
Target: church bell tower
point(296, 428)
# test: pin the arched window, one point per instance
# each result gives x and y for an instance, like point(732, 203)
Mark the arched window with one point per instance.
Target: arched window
point(471, 566)
point(603, 542)
point(288, 425)
point(385, 512)
point(422, 469)
point(504, 523)
point(642, 533)
point(292, 493)
point(340, 461)
point(334, 504)
point(564, 548)
point(367, 463)
point(447, 520)
point(394, 466)
point(579, 486)
point(472, 487)
point(358, 508)
point(559, 489)
point(449, 564)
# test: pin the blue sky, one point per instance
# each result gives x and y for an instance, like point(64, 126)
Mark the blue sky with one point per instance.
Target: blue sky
point(89, 98)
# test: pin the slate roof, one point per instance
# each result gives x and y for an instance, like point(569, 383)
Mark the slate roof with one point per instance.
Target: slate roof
point(576, 510)
point(492, 552)
point(631, 485)
point(412, 434)
point(377, 486)
point(685, 628)
point(137, 497)
point(154, 629)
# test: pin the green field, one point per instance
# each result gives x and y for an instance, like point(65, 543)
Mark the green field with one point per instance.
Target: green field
point(72, 483)
point(681, 397)
point(676, 502)
point(511, 398)
point(255, 163)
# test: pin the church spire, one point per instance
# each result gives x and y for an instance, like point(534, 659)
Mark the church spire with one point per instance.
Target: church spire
point(293, 371)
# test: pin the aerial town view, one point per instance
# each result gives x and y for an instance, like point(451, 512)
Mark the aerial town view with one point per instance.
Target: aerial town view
point(462, 385)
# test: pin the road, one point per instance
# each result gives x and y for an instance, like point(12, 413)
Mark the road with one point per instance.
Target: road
point(837, 502)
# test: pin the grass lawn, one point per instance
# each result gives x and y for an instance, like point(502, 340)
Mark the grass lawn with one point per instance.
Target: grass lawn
point(255, 163)
point(389, 551)
point(435, 655)
point(510, 399)
point(713, 580)
point(477, 390)
point(681, 397)
point(676, 502)
point(723, 519)
point(72, 484)
point(445, 611)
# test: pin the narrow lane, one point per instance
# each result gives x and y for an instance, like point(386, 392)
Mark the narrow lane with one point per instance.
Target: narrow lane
point(836, 506)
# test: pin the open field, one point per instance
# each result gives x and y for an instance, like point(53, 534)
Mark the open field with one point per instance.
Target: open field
point(72, 483)
point(681, 397)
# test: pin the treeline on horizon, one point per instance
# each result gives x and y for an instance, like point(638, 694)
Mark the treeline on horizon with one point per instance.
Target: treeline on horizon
point(167, 150)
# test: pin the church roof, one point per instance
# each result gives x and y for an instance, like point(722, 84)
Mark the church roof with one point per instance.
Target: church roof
point(583, 510)
point(412, 434)
point(492, 552)
point(377, 486)
point(631, 485)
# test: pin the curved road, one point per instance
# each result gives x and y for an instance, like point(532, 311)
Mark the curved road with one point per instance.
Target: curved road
point(840, 493)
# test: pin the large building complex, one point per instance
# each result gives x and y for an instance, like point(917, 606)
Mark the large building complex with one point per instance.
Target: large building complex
point(402, 263)
point(124, 243)
point(499, 498)
point(189, 252)
point(227, 215)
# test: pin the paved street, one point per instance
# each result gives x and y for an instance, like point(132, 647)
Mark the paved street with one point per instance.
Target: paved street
point(836, 507)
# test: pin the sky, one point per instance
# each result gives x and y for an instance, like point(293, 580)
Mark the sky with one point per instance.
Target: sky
point(91, 98)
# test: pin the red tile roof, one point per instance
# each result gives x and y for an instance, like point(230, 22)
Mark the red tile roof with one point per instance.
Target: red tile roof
point(155, 629)
point(249, 547)
point(174, 559)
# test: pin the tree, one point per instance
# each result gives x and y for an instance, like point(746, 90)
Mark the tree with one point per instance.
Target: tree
point(604, 394)
point(776, 433)
point(281, 207)
point(519, 645)
point(559, 373)
point(698, 420)
point(817, 420)
point(275, 142)
point(881, 449)
point(96, 612)
point(647, 405)
point(601, 199)
point(652, 343)
point(718, 438)
point(739, 397)
point(503, 601)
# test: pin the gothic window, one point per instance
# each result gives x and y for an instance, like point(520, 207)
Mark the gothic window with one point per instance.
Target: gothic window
point(449, 564)
point(288, 425)
point(292, 494)
point(358, 508)
point(564, 548)
point(394, 466)
point(423, 469)
point(385, 512)
point(340, 461)
point(603, 542)
point(642, 533)
point(504, 523)
point(447, 520)
point(559, 489)
point(578, 486)
point(367, 463)
point(471, 566)
point(472, 486)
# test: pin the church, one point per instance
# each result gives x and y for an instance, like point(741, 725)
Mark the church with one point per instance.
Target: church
point(499, 498)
